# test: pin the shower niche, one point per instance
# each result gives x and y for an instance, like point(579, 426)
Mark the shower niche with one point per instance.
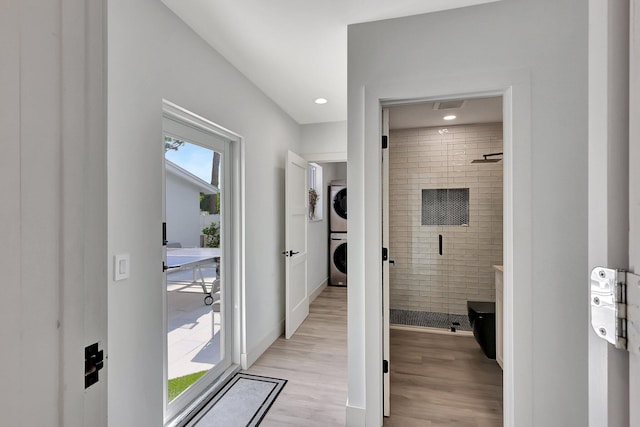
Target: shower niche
point(445, 223)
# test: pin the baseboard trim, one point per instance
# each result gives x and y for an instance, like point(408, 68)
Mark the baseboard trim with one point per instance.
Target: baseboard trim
point(249, 358)
point(318, 290)
point(356, 416)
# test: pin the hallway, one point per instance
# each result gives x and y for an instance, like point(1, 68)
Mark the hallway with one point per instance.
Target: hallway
point(314, 361)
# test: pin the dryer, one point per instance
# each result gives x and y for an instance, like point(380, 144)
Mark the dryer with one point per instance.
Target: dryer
point(338, 208)
point(338, 259)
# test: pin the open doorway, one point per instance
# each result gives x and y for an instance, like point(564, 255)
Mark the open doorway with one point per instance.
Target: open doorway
point(443, 227)
point(328, 226)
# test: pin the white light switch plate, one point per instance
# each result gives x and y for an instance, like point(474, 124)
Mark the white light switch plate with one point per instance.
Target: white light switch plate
point(121, 267)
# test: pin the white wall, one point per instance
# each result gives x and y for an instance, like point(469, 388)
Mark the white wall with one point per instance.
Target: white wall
point(318, 231)
point(320, 139)
point(183, 212)
point(537, 53)
point(53, 213)
point(153, 55)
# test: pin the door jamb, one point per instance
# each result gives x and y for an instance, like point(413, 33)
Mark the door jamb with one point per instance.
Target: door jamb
point(509, 378)
point(237, 233)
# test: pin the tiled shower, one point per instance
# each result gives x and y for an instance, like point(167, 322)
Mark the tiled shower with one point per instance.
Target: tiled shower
point(445, 222)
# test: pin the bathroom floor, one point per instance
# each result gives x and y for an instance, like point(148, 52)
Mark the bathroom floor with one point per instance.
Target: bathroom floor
point(428, 319)
point(442, 380)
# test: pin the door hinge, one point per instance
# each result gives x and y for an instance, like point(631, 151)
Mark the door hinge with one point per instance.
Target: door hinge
point(385, 366)
point(93, 362)
point(385, 141)
point(164, 234)
point(385, 254)
point(615, 307)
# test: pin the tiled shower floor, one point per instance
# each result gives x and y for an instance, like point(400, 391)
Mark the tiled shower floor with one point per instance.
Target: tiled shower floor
point(429, 319)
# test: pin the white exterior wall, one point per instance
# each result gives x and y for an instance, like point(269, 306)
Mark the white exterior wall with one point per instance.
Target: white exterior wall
point(154, 55)
point(183, 212)
point(536, 53)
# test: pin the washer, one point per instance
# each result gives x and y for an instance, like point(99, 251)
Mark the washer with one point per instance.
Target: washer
point(338, 209)
point(338, 259)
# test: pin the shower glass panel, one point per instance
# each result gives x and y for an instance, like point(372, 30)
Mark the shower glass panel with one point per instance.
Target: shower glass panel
point(456, 252)
point(445, 222)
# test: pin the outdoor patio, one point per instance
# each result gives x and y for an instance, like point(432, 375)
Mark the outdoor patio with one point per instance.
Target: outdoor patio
point(193, 327)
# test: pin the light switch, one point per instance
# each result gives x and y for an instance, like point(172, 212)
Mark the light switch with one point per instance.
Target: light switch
point(121, 267)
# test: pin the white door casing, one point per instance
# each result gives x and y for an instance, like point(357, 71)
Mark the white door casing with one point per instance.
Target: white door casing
point(296, 212)
point(183, 124)
point(614, 199)
point(386, 393)
point(634, 190)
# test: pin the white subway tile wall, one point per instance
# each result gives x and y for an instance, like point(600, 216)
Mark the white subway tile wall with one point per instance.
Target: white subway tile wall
point(421, 278)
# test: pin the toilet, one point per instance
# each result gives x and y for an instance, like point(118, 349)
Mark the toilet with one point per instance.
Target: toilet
point(482, 316)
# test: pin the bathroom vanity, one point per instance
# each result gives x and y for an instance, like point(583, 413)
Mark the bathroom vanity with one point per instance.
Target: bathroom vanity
point(499, 283)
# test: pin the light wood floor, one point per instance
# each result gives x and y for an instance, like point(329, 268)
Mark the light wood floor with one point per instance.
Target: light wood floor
point(314, 361)
point(436, 380)
point(442, 380)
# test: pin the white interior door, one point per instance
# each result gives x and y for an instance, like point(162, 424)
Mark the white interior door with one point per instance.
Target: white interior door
point(386, 393)
point(634, 193)
point(296, 211)
point(614, 225)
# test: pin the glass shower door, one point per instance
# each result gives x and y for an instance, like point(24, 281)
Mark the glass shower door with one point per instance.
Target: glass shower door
point(456, 251)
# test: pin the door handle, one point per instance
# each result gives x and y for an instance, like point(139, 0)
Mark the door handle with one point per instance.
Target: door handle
point(440, 243)
point(289, 253)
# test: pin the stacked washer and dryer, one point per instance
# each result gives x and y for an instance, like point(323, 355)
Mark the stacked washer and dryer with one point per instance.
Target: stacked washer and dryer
point(338, 234)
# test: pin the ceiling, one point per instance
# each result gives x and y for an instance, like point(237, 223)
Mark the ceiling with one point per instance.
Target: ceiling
point(295, 50)
point(430, 114)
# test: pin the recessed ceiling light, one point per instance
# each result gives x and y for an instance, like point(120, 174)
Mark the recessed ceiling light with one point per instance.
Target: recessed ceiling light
point(320, 101)
point(449, 117)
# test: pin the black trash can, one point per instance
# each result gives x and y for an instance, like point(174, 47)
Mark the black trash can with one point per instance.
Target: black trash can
point(482, 316)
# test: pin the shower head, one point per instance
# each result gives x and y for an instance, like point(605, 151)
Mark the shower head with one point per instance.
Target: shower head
point(486, 160)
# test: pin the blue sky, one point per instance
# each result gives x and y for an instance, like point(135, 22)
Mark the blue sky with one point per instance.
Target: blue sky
point(194, 158)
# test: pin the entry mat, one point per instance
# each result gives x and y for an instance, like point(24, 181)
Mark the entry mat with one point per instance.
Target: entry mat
point(243, 402)
point(429, 319)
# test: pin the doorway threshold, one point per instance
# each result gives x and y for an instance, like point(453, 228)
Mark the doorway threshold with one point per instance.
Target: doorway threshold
point(429, 330)
point(196, 406)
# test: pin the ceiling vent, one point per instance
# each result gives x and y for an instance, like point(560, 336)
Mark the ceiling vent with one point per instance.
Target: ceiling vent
point(448, 105)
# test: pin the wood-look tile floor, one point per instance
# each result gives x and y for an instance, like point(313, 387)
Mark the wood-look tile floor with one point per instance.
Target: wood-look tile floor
point(314, 361)
point(436, 380)
point(442, 380)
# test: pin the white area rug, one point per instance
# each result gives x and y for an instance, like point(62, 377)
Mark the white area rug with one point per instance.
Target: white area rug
point(243, 402)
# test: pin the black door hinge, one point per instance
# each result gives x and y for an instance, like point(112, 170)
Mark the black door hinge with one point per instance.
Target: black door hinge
point(164, 234)
point(385, 366)
point(385, 254)
point(93, 362)
point(385, 141)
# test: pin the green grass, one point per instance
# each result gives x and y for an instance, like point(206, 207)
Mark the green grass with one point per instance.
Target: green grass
point(180, 384)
